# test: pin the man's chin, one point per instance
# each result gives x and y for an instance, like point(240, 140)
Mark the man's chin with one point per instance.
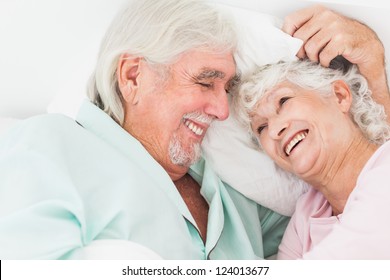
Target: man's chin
point(183, 157)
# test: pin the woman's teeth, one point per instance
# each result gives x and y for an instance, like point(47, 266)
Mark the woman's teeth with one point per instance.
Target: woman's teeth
point(299, 137)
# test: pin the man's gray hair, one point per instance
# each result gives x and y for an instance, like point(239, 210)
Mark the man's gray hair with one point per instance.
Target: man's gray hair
point(158, 31)
point(368, 115)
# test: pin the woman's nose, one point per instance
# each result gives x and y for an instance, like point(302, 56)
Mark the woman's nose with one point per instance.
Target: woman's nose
point(276, 128)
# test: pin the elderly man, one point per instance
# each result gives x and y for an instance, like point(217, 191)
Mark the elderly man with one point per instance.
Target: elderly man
point(124, 169)
point(129, 167)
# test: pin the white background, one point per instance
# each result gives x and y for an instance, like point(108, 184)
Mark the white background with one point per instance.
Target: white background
point(44, 44)
point(48, 47)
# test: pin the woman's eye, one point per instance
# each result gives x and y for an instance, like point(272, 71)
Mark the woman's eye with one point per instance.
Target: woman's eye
point(261, 128)
point(283, 100)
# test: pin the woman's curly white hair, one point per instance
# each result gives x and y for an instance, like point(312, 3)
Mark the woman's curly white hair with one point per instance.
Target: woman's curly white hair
point(368, 115)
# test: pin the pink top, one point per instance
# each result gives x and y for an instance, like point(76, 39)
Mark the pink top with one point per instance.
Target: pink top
point(362, 231)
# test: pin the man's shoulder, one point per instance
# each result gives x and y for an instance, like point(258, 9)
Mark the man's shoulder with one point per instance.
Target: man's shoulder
point(40, 130)
point(42, 122)
point(48, 121)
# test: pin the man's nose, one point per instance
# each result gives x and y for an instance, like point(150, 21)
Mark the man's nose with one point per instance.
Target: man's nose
point(218, 105)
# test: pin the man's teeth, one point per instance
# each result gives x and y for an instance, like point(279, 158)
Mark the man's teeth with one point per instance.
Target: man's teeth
point(194, 128)
point(294, 141)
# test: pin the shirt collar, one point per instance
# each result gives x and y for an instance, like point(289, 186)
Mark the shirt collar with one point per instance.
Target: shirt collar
point(103, 126)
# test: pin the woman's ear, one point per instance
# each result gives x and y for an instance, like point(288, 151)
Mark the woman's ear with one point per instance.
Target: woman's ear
point(343, 94)
point(128, 71)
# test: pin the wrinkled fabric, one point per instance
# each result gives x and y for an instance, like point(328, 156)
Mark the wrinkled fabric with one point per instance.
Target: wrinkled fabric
point(66, 183)
point(362, 231)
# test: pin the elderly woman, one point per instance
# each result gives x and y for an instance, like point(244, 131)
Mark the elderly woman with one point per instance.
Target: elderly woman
point(322, 125)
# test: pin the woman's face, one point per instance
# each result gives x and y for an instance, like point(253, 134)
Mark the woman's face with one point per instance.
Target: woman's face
point(300, 129)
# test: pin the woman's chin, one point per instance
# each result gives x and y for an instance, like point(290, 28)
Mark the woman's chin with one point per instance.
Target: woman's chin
point(305, 167)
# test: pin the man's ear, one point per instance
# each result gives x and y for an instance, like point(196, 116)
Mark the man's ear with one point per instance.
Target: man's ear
point(343, 94)
point(128, 71)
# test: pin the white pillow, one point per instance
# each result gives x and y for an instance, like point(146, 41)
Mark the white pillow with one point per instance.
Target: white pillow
point(227, 146)
point(260, 39)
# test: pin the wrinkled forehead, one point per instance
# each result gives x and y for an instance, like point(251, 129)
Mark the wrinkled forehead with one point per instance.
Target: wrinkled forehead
point(270, 96)
point(208, 65)
point(282, 88)
point(218, 65)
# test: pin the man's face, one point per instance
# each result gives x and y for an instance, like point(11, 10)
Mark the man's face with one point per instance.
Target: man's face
point(172, 116)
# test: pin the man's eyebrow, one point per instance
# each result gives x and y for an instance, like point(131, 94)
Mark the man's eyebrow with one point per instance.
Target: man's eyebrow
point(210, 74)
point(216, 74)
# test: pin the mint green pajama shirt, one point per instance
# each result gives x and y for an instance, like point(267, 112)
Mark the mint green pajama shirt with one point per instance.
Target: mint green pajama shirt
point(66, 183)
